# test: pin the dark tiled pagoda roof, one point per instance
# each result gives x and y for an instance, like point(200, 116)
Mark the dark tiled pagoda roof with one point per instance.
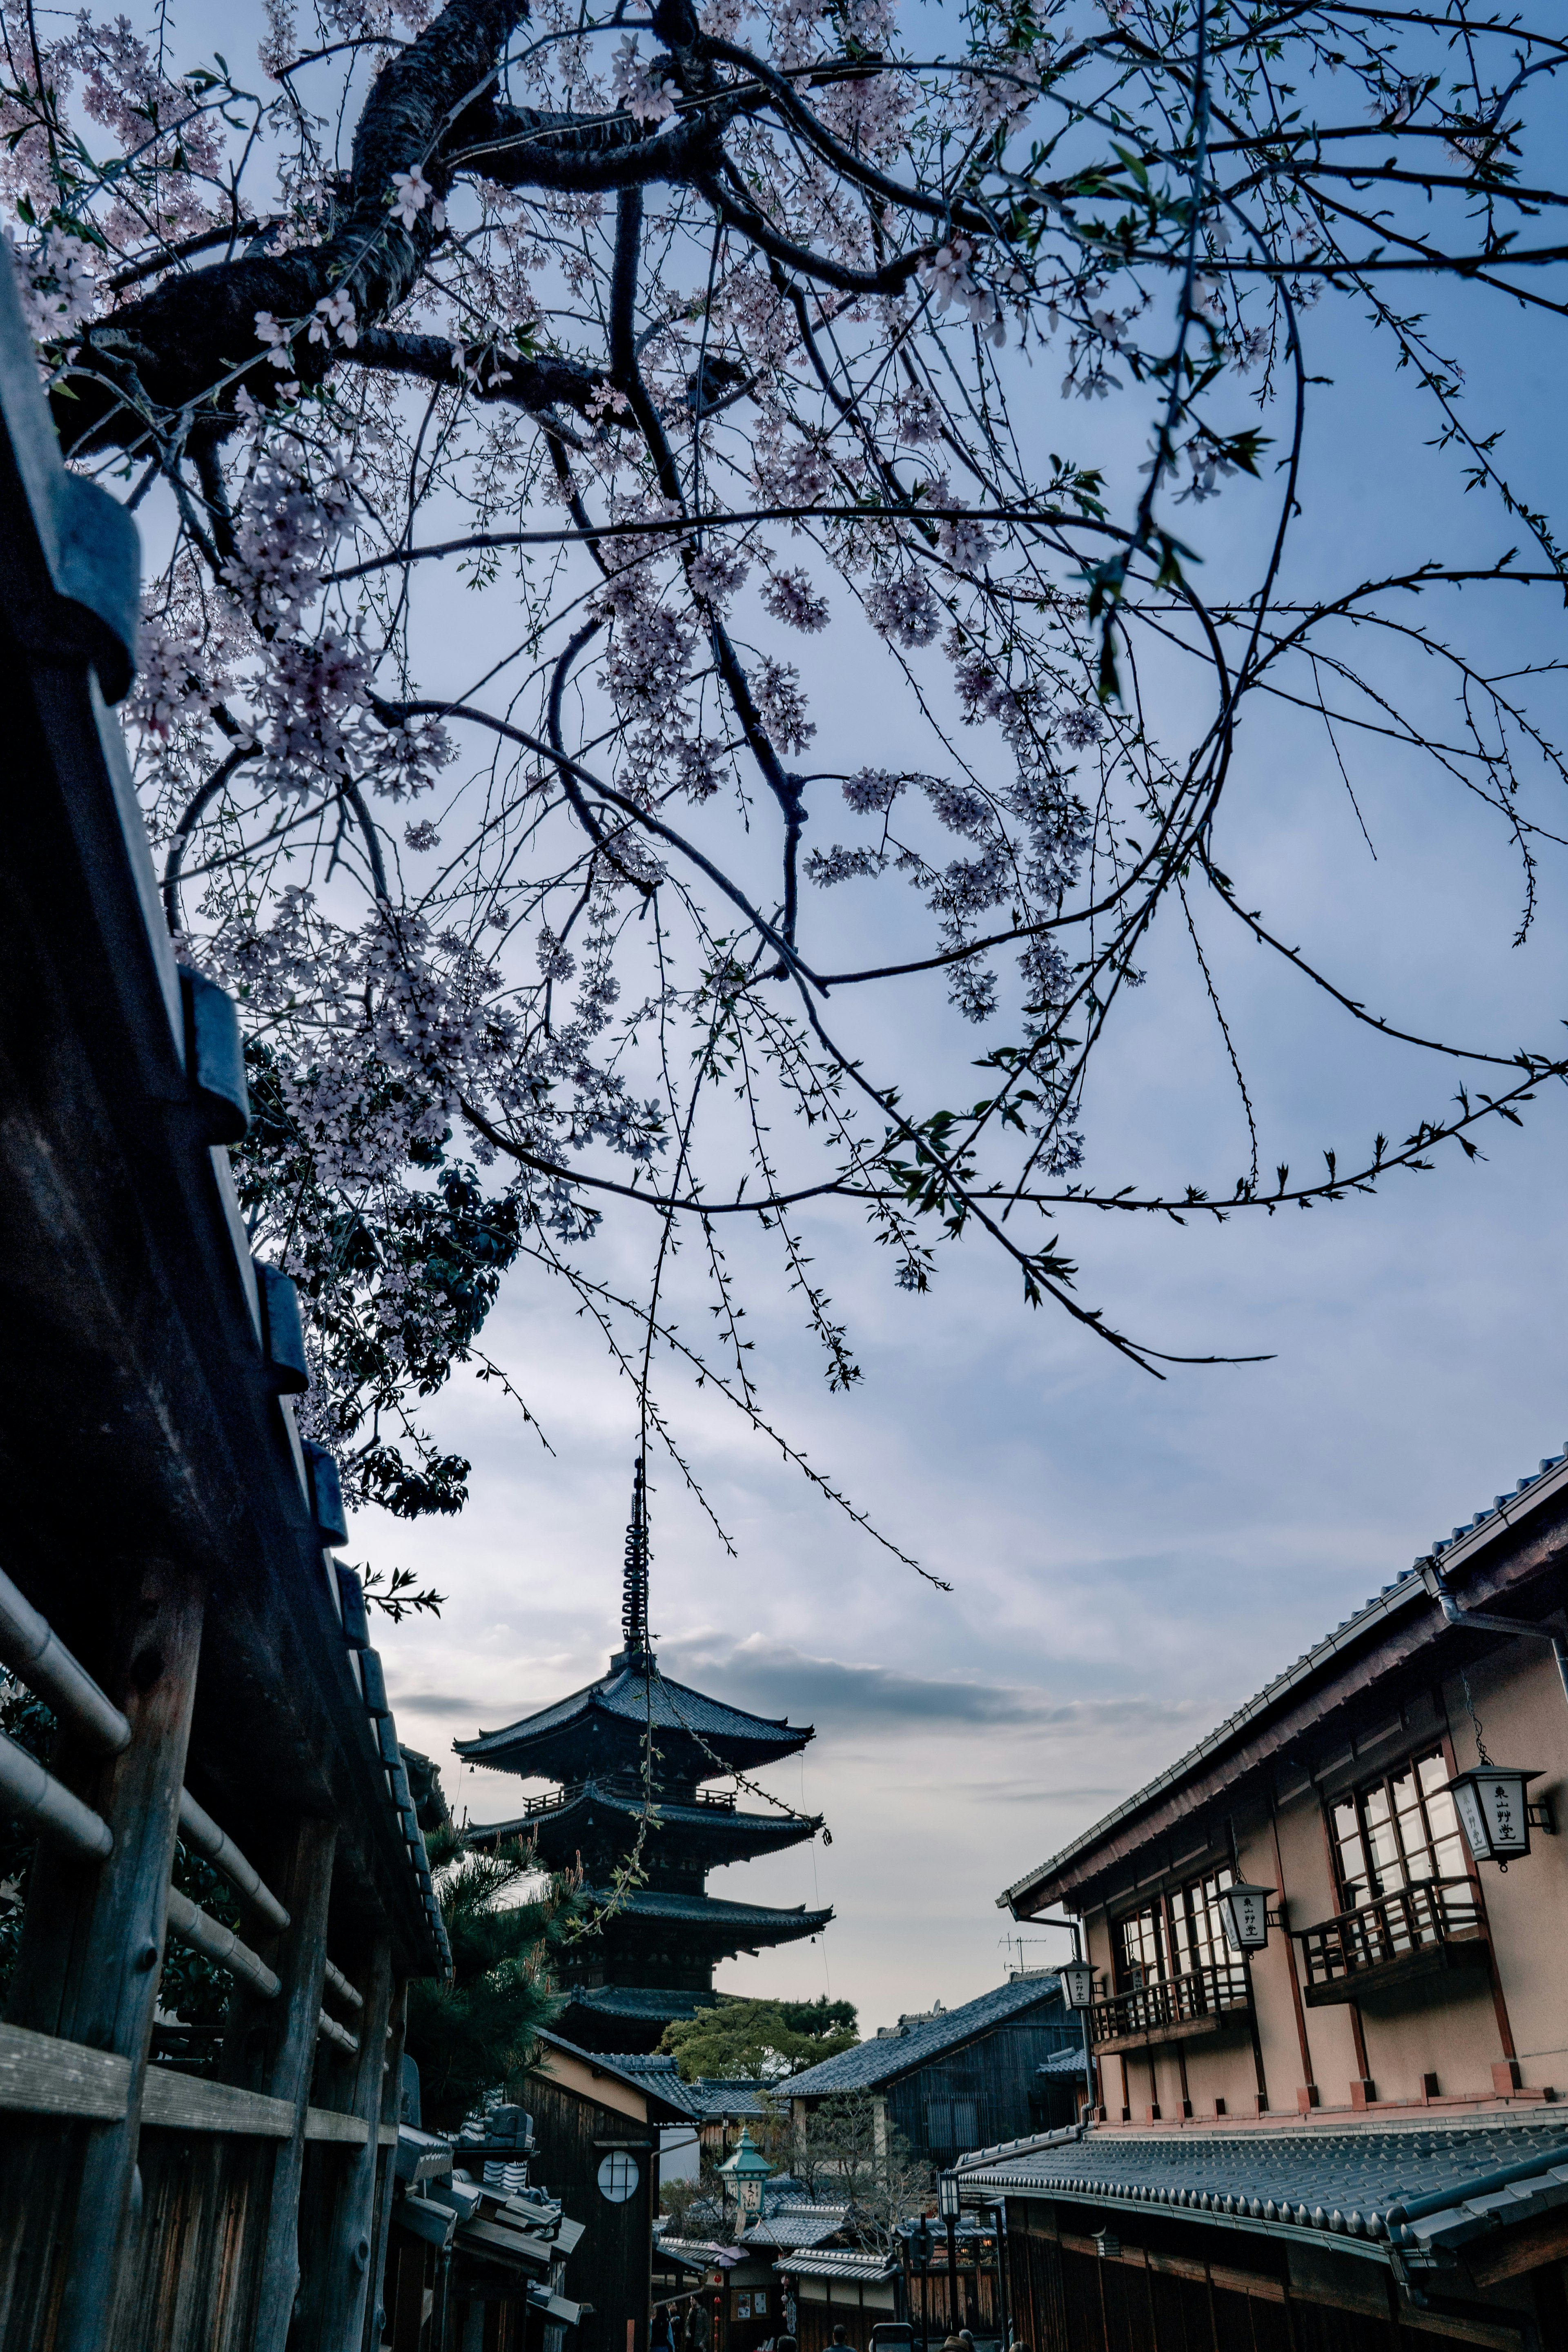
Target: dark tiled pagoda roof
point(1422, 2185)
point(601, 1729)
point(892, 2054)
point(712, 1833)
point(715, 1926)
point(640, 2004)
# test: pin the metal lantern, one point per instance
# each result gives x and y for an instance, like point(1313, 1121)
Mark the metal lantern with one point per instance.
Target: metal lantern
point(1078, 1984)
point(1494, 1812)
point(947, 2198)
point(1246, 1912)
point(745, 2173)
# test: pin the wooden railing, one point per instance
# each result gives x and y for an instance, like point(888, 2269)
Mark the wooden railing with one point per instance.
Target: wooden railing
point(169, 1592)
point(618, 1784)
point(1174, 2007)
point(1407, 1929)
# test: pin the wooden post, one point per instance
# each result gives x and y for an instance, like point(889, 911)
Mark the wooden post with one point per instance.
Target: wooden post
point(352, 2239)
point(94, 1936)
point(391, 2109)
point(305, 1893)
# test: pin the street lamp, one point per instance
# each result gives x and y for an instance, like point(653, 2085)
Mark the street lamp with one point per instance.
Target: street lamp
point(1494, 1812)
point(743, 2175)
point(1245, 1914)
point(1077, 1983)
point(948, 2204)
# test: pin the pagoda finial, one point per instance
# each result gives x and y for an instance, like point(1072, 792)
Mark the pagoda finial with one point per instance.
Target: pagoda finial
point(634, 1595)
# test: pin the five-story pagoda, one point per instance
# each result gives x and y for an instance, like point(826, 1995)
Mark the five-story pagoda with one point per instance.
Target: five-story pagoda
point(630, 1755)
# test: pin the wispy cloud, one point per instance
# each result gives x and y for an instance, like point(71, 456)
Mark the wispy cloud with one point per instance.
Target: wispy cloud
point(421, 1702)
point(775, 1679)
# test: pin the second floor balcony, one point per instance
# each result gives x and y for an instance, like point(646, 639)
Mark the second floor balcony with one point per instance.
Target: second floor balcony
point(1409, 1931)
point(1172, 2009)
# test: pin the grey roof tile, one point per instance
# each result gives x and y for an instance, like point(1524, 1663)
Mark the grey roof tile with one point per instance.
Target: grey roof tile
point(798, 2223)
point(1069, 2061)
point(1342, 2182)
point(838, 2262)
point(888, 2056)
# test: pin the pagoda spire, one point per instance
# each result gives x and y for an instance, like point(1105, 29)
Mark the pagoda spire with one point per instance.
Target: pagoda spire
point(634, 1589)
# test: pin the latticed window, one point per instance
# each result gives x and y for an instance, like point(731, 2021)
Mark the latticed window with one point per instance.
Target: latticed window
point(1140, 1949)
point(1174, 1935)
point(1197, 1929)
point(1396, 1831)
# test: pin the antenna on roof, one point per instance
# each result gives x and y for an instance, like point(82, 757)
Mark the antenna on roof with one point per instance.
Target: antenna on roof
point(634, 1590)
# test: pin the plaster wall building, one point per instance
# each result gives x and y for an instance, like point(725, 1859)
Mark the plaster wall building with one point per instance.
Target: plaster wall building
point(1325, 2118)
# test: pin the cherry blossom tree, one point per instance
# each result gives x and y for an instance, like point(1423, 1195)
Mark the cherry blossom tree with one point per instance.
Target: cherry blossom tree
point(662, 342)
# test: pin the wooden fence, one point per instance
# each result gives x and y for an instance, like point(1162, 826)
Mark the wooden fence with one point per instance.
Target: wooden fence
point(169, 1590)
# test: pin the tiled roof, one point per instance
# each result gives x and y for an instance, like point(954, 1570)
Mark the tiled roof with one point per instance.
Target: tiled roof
point(706, 2252)
point(1421, 2183)
point(798, 2224)
point(706, 1910)
point(644, 2002)
point(886, 2057)
point(1551, 1480)
point(612, 2063)
point(1069, 2061)
point(634, 1699)
point(707, 2097)
point(838, 2262)
point(719, 1825)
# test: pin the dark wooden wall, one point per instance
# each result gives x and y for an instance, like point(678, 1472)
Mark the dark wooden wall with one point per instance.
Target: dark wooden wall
point(612, 2264)
point(989, 2086)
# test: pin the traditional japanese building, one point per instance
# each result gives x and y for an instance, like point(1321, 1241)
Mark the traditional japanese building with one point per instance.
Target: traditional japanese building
point(630, 1755)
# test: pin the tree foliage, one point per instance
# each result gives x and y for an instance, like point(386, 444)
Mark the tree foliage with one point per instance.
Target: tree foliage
point(468, 2036)
point(516, 397)
point(760, 2041)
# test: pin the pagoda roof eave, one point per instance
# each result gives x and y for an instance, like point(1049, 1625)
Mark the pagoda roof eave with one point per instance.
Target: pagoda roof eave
point(722, 1828)
point(621, 1707)
point(736, 1926)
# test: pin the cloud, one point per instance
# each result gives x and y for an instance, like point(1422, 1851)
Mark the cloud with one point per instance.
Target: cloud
point(774, 1679)
point(410, 1702)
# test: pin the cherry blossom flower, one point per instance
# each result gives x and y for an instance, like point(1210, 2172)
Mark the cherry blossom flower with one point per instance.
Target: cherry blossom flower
point(411, 194)
point(634, 88)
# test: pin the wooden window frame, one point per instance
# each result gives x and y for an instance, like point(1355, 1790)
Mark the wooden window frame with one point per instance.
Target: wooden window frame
point(1370, 1883)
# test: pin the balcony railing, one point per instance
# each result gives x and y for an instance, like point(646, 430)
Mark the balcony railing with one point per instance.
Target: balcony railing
point(1171, 2010)
point(1407, 1932)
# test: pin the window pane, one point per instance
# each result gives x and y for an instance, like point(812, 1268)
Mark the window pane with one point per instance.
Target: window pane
point(1434, 1773)
point(1142, 1953)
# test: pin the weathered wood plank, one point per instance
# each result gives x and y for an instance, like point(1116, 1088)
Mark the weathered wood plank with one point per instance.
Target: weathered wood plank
point(303, 1959)
point(329, 2124)
point(386, 2139)
point(351, 2244)
point(175, 2102)
point(41, 2075)
point(93, 1932)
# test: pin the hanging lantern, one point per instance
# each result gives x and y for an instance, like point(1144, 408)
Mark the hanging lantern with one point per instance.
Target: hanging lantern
point(743, 2175)
point(1078, 1984)
point(1494, 1812)
point(1246, 1913)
